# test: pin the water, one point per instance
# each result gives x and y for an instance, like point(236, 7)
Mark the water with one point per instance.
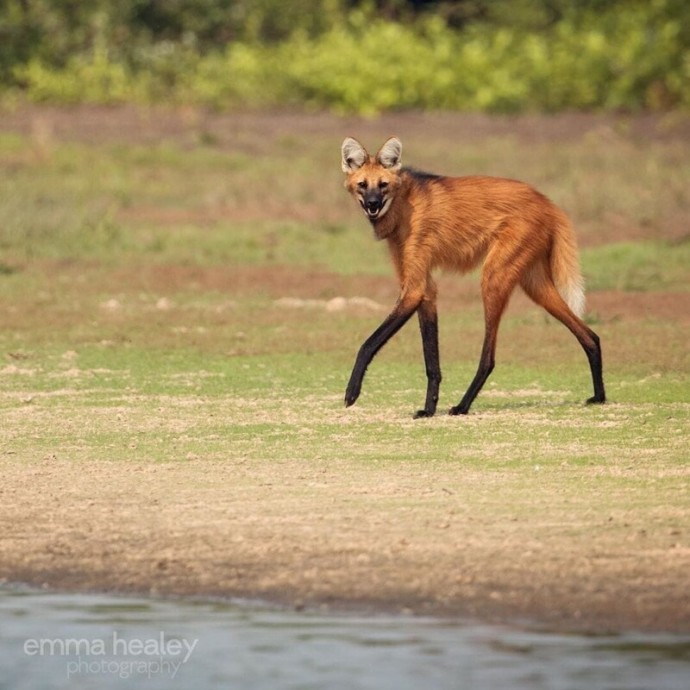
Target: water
point(54, 641)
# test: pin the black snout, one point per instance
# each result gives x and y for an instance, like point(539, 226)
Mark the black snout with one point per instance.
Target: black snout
point(372, 203)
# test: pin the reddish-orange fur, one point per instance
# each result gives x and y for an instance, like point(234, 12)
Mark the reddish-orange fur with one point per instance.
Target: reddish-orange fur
point(454, 223)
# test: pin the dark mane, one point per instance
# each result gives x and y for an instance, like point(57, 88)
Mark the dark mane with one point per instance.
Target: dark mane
point(420, 175)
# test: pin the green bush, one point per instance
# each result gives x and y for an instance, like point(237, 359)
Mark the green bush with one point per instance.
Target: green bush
point(633, 55)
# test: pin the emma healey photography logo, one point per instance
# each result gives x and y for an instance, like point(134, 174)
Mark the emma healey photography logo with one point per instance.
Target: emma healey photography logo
point(124, 657)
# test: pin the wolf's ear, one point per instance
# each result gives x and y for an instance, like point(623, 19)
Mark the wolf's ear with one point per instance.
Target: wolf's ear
point(354, 155)
point(390, 153)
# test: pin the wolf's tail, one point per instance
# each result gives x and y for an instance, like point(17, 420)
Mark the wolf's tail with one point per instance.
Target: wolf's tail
point(565, 267)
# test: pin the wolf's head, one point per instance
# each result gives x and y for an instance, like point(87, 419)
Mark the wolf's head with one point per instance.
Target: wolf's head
point(372, 180)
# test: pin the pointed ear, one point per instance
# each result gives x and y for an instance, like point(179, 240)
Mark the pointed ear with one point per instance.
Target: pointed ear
point(353, 155)
point(390, 153)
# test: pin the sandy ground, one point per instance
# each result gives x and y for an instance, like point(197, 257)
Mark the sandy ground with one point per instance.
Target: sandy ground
point(341, 537)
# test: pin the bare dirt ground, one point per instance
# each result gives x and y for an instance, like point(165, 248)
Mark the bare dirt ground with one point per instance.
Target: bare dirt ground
point(342, 535)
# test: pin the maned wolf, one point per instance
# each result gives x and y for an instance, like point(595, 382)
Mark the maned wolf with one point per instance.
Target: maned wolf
point(453, 223)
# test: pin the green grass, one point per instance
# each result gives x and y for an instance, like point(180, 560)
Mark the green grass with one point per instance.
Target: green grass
point(84, 225)
point(144, 405)
point(638, 266)
point(158, 394)
point(278, 199)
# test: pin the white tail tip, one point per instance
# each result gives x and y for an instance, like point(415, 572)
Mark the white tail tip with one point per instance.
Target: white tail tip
point(574, 295)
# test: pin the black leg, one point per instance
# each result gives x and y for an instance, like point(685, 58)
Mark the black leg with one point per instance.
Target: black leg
point(486, 366)
point(546, 295)
point(392, 324)
point(428, 325)
point(593, 353)
point(495, 301)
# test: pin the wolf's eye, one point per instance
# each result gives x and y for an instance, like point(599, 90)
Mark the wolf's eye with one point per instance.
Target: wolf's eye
point(383, 185)
point(362, 184)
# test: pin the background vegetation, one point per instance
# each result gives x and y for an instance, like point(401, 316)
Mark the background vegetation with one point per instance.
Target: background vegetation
point(350, 56)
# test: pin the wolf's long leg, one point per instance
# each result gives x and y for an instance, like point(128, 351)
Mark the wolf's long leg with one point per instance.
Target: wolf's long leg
point(545, 294)
point(428, 325)
point(487, 362)
point(390, 326)
point(498, 282)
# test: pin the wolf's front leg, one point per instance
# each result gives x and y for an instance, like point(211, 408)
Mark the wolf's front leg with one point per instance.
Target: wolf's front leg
point(391, 325)
point(428, 326)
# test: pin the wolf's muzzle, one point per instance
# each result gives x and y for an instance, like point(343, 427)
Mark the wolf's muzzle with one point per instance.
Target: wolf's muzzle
point(372, 204)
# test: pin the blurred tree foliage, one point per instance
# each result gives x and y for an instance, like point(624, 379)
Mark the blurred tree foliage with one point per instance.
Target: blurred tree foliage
point(351, 55)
